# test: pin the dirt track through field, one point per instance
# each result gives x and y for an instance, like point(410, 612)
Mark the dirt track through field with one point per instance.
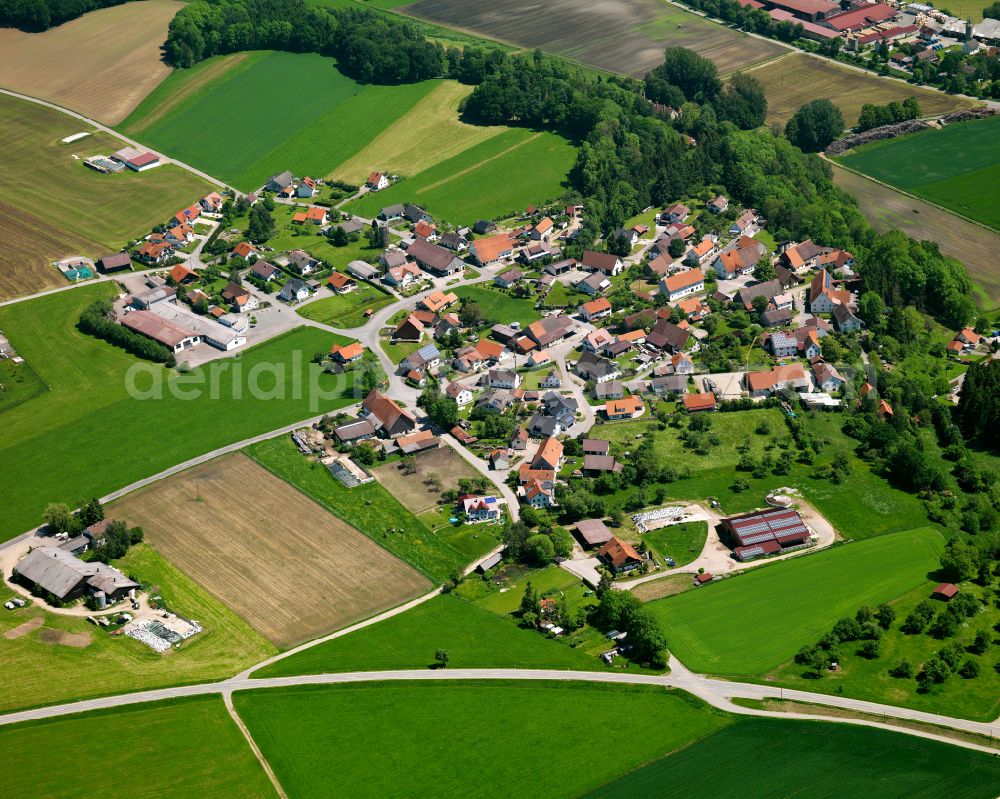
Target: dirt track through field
point(23, 629)
point(101, 64)
point(293, 570)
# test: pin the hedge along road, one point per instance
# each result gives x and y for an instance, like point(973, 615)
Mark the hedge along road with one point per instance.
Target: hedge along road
point(717, 693)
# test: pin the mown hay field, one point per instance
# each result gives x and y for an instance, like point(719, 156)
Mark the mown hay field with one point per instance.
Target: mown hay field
point(957, 166)
point(101, 64)
point(269, 111)
point(624, 36)
point(430, 132)
point(52, 206)
point(972, 244)
point(293, 570)
point(171, 750)
point(792, 81)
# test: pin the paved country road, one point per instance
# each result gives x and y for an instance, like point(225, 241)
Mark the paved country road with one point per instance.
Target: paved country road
point(718, 693)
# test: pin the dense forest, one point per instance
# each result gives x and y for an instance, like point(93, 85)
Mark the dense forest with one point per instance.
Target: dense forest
point(40, 15)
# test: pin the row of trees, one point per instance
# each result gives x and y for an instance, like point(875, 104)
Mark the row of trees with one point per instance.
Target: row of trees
point(369, 46)
point(874, 116)
point(40, 15)
point(97, 320)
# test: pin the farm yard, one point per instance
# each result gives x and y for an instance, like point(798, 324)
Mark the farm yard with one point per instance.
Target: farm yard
point(972, 244)
point(708, 628)
point(35, 664)
point(430, 132)
point(474, 638)
point(88, 401)
point(491, 179)
point(795, 79)
point(52, 206)
point(957, 167)
point(188, 747)
point(489, 739)
point(368, 508)
point(326, 117)
point(624, 36)
point(816, 759)
point(100, 64)
point(293, 570)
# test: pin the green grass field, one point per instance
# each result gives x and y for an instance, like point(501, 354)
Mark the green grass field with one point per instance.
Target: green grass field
point(500, 307)
point(978, 698)
point(489, 739)
point(52, 206)
point(324, 118)
point(474, 639)
point(35, 670)
point(369, 508)
point(682, 542)
point(815, 759)
point(18, 383)
point(88, 436)
point(957, 167)
point(749, 624)
point(346, 310)
point(498, 176)
point(172, 750)
point(862, 506)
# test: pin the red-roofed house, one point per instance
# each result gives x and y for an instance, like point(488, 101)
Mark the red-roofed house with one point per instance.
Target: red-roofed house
point(341, 283)
point(619, 556)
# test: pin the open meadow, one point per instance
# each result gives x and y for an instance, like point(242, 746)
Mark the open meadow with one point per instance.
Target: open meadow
point(325, 117)
point(430, 132)
point(346, 310)
point(100, 64)
point(473, 637)
point(88, 436)
point(470, 739)
point(862, 678)
point(293, 570)
point(624, 36)
point(957, 167)
point(861, 506)
point(52, 206)
point(35, 665)
point(494, 178)
point(171, 750)
point(413, 490)
point(820, 760)
point(794, 80)
point(368, 508)
point(498, 306)
point(748, 624)
point(889, 209)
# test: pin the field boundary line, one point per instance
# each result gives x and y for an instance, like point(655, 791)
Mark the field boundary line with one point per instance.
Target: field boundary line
point(468, 169)
point(227, 698)
point(912, 196)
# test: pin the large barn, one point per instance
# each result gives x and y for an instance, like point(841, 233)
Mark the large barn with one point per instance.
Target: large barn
point(766, 532)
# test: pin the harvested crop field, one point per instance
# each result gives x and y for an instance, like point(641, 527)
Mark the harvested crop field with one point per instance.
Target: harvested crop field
point(412, 489)
point(887, 208)
point(52, 206)
point(624, 36)
point(101, 64)
point(290, 568)
point(794, 80)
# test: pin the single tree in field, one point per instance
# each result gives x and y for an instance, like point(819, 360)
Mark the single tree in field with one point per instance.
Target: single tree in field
point(441, 656)
point(815, 125)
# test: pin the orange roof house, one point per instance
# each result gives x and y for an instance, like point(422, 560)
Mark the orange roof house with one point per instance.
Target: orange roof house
point(619, 555)
point(347, 352)
point(624, 408)
point(339, 282)
point(704, 401)
point(244, 250)
point(489, 348)
point(549, 455)
point(181, 274)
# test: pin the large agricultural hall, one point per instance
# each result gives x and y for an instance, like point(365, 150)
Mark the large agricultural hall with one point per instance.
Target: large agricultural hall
point(767, 532)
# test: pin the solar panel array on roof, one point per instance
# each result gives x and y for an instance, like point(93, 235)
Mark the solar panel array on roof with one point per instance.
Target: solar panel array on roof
point(780, 526)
